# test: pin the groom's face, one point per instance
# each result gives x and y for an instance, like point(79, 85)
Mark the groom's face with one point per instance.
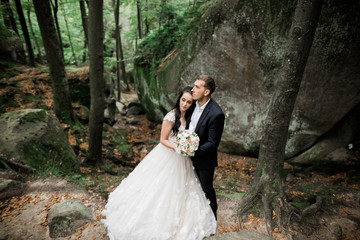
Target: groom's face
point(199, 90)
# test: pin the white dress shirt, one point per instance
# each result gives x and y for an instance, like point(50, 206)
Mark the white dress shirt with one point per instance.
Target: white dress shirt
point(196, 115)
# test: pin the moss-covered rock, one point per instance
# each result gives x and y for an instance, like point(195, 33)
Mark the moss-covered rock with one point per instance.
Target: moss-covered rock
point(10, 188)
point(36, 138)
point(65, 218)
point(241, 45)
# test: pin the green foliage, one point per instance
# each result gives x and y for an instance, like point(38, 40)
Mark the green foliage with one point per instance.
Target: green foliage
point(236, 195)
point(47, 161)
point(175, 27)
point(116, 141)
point(79, 179)
point(65, 117)
point(80, 94)
point(78, 126)
point(33, 117)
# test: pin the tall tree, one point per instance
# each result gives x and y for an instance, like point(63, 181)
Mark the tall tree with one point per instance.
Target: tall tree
point(55, 8)
point(147, 26)
point(55, 59)
point(97, 83)
point(25, 31)
point(267, 184)
point(120, 64)
point(9, 19)
point(69, 36)
point(84, 21)
point(117, 39)
point(139, 19)
point(34, 36)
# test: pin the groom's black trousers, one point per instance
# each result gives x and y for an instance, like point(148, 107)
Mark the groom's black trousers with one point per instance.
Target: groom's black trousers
point(206, 177)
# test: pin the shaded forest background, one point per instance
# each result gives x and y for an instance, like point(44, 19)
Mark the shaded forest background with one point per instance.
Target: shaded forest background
point(132, 31)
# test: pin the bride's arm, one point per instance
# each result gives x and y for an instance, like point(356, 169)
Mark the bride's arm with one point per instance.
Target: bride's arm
point(165, 133)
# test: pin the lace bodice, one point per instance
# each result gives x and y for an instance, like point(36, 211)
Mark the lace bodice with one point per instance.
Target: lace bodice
point(170, 116)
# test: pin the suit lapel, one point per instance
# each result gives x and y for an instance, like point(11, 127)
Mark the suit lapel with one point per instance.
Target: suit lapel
point(203, 115)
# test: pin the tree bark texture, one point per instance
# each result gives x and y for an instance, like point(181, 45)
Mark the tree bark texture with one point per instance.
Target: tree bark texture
point(139, 18)
point(267, 184)
point(122, 63)
point(34, 37)
point(84, 21)
point(55, 8)
point(97, 84)
point(117, 39)
point(55, 59)
point(25, 31)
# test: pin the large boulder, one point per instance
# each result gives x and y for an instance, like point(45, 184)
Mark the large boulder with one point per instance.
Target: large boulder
point(12, 48)
point(241, 45)
point(36, 138)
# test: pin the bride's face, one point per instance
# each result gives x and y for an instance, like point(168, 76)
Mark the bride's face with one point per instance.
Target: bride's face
point(185, 101)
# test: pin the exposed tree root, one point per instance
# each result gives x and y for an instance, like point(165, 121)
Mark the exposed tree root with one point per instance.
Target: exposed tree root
point(312, 209)
point(124, 161)
point(16, 166)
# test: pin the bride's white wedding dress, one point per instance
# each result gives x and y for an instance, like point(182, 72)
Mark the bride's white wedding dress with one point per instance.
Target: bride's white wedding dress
point(161, 199)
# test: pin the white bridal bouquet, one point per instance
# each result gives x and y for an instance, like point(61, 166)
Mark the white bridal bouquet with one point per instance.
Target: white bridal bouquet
point(187, 142)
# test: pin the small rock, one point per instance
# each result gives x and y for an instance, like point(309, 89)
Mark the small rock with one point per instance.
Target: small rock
point(136, 110)
point(336, 230)
point(242, 235)
point(66, 217)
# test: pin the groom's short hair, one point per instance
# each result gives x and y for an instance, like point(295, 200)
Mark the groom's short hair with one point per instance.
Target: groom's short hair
point(209, 82)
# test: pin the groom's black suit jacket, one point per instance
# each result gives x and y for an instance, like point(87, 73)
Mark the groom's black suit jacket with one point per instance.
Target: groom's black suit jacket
point(209, 129)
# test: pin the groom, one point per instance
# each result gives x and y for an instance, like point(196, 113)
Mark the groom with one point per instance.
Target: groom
point(207, 121)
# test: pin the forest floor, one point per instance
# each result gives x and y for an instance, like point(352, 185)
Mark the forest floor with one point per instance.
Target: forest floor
point(25, 215)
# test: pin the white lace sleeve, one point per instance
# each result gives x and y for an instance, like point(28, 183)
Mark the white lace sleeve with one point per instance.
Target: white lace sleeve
point(170, 116)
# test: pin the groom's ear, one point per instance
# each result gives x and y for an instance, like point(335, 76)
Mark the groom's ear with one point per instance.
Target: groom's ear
point(207, 92)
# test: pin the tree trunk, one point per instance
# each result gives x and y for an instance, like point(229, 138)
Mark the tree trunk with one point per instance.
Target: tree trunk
point(139, 18)
point(55, 59)
point(25, 32)
point(97, 84)
point(69, 36)
point(117, 39)
point(84, 21)
point(34, 37)
point(147, 26)
point(122, 63)
point(267, 184)
point(9, 19)
point(55, 8)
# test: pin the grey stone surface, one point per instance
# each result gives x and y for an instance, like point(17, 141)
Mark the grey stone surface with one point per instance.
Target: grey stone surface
point(241, 45)
point(66, 217)
point(242, 235)
point(36, 138)
point(10, 188)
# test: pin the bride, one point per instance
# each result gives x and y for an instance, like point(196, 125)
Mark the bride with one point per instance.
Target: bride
point(162, 199)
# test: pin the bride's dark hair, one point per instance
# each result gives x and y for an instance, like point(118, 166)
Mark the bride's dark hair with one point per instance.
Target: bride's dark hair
point(188, 113)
